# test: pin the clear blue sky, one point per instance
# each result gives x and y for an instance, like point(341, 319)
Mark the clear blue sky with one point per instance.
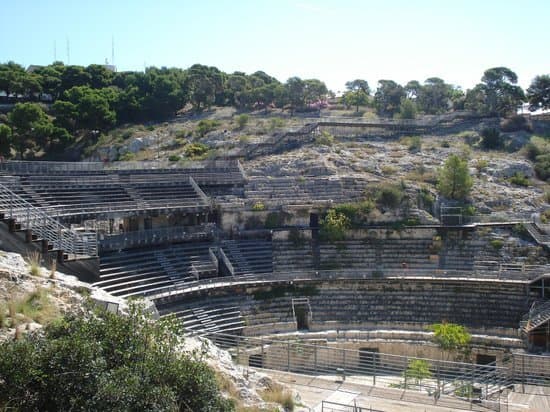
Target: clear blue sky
point(334, 41)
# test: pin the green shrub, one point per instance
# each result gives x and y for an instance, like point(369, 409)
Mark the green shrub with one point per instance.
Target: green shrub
point(545, 216)
point(390, 196)
point(357, 212)
point(276, 123)
point(242, 120)
point(426, 199)
point(520, 179)
point(206, 126)
point(542, 166)
point(99, 361)
point(195, 150)
point(417, 369)
point(414, 144)
point(490, 138)
point(258, 207)
point(407, 109)
point(325, 139)
point(174, 158)
point(515, 124)
point(481, 165)
point(496, 244)
point(127, 157)
point(531, 151)
point(334, 225)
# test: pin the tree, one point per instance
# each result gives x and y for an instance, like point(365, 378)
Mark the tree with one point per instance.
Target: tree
point(407, 109)
point(454, 180)
point(451, 338)
point(387, 98)
point(100, 76)
point(417, 369)
point(412, 89)
point(538, 93)
point(357, 94)
point(5, 140)
point(11, 75)
point(103, 361)
point(434, 97)
point(90, 107)
point(295, 90)
point(30, 126)
point(497, 94)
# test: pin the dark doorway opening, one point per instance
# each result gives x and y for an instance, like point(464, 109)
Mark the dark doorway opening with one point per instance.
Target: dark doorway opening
point(482, 359)
point(256, 361)
point(313, 220)
point(302, 317)
point(369, 359)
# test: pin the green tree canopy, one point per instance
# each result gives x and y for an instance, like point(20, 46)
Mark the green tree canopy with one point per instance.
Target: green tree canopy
point(454, 180)
point(538, 93)
point(497, 94)
point(106, 362)
point(451, 337)
point(434, 97)
point(5, 140)
point(387, 98)
point(31, 126)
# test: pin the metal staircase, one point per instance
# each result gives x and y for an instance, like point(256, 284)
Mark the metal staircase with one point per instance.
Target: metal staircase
point(21, 215)
point(538, 315)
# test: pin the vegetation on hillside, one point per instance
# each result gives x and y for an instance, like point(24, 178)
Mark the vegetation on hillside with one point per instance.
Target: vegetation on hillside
point(103, 361)
point(87, 101)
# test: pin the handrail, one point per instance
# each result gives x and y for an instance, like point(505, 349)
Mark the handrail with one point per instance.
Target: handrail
point(350, 274)
point(199, 192)
point(46, 227)
point(44, 167)
point(227, 262)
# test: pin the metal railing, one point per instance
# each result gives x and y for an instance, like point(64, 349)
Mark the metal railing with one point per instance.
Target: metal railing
point(45, 227)
point(329, 406)
point(46, 167)
point(526, 275)
point(226, 262)
point(434, 380)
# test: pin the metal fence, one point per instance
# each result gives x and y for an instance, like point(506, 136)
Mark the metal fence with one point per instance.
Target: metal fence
point(328, 406)
point(431, 379)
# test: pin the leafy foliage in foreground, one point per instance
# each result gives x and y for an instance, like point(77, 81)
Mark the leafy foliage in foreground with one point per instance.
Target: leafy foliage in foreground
point(103, 361)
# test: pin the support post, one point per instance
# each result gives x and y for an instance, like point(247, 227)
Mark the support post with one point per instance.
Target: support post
point(288, 355)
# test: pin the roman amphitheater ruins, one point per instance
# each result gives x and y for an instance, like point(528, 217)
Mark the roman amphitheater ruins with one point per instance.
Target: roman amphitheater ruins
point(236, 253)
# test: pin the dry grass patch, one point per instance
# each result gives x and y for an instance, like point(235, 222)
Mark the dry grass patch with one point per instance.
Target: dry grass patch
point(36, 306)
point(280, 395)
point(33, 260)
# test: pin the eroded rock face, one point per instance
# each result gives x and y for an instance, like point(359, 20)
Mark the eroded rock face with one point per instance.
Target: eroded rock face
point(505, 169)
point(63, 292)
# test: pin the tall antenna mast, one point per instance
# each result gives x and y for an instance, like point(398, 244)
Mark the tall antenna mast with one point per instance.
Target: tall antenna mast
point(68, 51)
point(112, 50)
point(54, 51)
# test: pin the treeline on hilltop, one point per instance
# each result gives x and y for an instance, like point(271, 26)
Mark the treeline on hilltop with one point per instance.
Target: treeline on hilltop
point(94, 98)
